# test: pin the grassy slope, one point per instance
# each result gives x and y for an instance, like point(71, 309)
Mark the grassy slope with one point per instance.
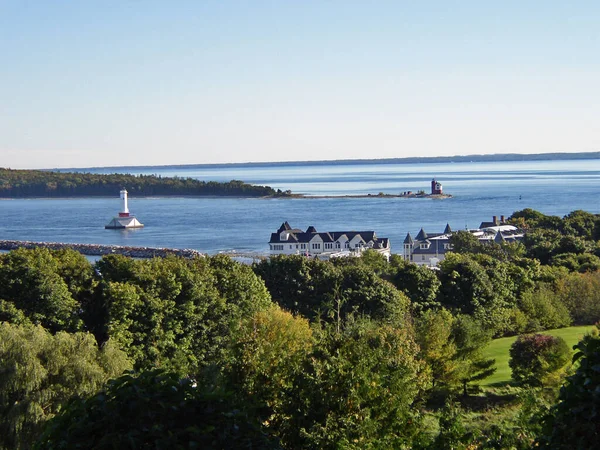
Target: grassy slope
point(498, 349)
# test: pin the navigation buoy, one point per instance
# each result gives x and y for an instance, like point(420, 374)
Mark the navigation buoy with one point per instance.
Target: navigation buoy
point(124, 219)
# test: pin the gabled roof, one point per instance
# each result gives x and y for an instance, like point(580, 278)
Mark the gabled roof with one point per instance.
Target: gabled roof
point(382, 243)
point(499, 239)
point(298, 236)
point(365, 235)
point(285, 226)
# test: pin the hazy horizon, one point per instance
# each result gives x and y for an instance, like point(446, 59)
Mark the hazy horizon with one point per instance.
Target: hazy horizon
point(429, 159)
point(125, 83)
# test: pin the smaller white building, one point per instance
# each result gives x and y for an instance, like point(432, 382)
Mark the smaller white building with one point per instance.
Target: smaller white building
point(293, 241)
point(429, 249)
point(125, 219)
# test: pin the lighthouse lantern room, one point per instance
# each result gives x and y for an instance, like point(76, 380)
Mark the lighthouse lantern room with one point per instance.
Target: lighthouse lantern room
point(124, 219)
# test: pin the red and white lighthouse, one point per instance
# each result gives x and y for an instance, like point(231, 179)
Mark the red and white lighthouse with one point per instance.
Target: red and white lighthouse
point(124, 219)
point(125, 210)
point(436, 187)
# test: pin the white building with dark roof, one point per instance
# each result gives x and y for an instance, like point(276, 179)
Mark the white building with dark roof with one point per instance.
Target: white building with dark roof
point(430, 249)
point(292, 241)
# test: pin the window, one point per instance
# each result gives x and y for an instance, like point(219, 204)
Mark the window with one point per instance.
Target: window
point(346, 245)
point(277, 247)
point(328, 245)
point(290, 247)
point(302, 246)
point(316, 246)
point(337, 245)
point(356, 245)
point(424, 246)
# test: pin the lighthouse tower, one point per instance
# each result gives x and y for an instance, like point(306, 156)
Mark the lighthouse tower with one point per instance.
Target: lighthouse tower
point(124, 219)
point(125, 211)
point(436, 187)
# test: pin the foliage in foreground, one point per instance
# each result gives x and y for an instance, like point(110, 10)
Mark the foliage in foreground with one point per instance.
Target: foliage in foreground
point(574, 422)
point(40, 372)
point(534, 359)
point(357, 389)
point(157, 410)
point(354, 388)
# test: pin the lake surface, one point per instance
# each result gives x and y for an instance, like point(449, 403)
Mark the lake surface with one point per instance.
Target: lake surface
point(211, 225)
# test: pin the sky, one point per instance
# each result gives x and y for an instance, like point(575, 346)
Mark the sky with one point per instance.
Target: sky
point(142, 82)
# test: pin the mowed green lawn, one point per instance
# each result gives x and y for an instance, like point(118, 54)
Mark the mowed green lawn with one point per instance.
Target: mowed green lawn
point(499, 348)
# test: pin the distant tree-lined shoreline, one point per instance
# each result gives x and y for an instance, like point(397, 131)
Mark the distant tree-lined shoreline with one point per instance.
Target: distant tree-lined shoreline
point(495, 157)
point(36, 183)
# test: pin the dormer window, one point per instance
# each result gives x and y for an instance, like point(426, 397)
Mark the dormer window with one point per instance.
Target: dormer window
point(424, 246)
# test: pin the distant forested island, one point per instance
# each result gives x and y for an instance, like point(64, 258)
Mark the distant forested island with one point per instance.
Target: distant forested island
point(37, 183)
point(498, 157)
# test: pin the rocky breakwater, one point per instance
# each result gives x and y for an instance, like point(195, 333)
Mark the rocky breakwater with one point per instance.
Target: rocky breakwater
point(100, 250)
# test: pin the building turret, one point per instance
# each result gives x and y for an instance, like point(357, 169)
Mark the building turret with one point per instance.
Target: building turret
point(422, 235)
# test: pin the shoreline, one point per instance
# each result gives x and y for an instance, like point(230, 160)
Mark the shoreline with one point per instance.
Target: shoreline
point(434, 196)
point(101, 249)
point(265, 197)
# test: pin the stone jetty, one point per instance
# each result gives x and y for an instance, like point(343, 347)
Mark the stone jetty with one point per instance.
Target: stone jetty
point(100, 250)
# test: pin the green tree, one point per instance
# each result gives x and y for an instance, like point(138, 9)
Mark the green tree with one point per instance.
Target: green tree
point(41, 372)
point(530, 219)
point(320, 290)
point(158, 410)
point(77, 273)
point(583, 224)
point(534, 358)
point(363, 293)
point(177, 313)
point(471, 339)
point(267, 354)
point(573, 422)
point(466, 288)
point(420, 284)
point(542, 244)
point(300, 285)
point(31, 280)
point(357, 390)
point(544, 309)
point(465, 242)
point(581, 295)
point(437, 346)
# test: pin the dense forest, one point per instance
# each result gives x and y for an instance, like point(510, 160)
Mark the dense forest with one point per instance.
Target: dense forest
point(292, 353)
point(37, 183)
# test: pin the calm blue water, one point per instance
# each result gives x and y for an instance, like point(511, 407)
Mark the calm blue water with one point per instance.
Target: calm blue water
point(480, 191)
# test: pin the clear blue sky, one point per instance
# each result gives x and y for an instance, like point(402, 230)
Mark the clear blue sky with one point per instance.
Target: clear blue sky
point(141, 82)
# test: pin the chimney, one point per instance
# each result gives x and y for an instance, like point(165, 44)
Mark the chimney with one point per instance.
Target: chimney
point(501, 219)
point(495, 220)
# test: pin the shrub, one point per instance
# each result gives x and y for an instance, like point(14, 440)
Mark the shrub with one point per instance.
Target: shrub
point(157, 410)
point(573, 421)
point(536, 357)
